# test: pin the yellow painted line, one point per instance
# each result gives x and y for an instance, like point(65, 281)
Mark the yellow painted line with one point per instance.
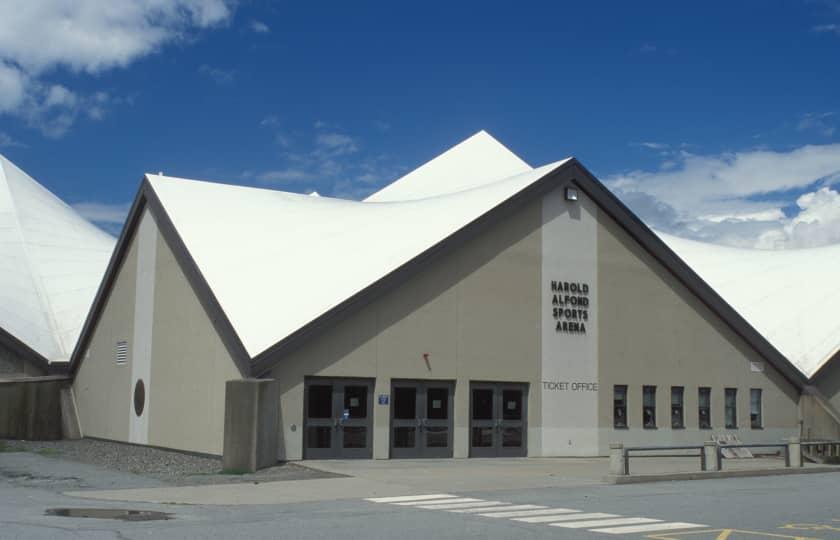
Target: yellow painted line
point(723, 534)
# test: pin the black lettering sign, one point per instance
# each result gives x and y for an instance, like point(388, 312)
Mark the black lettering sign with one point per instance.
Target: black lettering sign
point(570, 306)
point(570, 386)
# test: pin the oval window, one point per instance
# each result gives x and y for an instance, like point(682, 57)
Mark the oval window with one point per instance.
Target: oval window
point(139, 397)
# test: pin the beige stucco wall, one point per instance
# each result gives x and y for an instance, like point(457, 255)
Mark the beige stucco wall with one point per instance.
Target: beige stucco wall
point(189, 364)
point(101, 387)
point(475, 311)
point(653, 331)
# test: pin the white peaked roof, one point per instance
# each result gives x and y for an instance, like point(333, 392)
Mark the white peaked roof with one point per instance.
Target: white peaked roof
point(51, 264)
point(477, 161)
point(276, 261)
point(790, 296)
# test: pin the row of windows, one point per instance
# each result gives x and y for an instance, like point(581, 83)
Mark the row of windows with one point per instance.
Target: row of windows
point(704, 407)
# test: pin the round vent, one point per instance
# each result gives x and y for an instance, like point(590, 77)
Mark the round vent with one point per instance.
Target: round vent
point(139, 397)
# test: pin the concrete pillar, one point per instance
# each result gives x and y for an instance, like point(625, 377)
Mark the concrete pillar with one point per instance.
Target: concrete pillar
point(70, 426)
point(252, 408)
point(617, 460)
point(710, 450)
point(795, 452)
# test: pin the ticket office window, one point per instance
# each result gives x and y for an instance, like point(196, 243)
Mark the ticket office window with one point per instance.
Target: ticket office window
point(620, 406)
point(649, 407)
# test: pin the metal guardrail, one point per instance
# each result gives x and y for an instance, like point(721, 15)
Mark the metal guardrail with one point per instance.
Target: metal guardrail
point(711, 454)
point(721, 447)
point(626, 453)
point(822, 449)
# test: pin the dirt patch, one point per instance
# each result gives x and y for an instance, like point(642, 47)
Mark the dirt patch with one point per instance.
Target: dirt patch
point(168, 466)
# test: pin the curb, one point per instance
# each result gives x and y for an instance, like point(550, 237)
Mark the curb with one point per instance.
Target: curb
point(709, 475)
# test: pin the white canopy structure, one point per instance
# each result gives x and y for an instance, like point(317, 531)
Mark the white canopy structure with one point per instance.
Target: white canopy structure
point(51, 264)
point(243, 238)
point(790, 296)
point(259, 250)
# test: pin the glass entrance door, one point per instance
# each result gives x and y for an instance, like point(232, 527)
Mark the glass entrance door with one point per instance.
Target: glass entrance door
point(498, 425)
point(421, 419)
point(339, 414)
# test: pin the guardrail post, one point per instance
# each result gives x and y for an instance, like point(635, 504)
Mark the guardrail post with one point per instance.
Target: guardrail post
point(794, 453)
point(618, 465)
point(711, 456)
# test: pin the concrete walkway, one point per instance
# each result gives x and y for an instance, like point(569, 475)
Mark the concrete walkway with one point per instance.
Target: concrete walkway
point(384, 478)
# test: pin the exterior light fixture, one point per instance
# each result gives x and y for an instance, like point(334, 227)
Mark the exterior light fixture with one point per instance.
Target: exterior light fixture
point(571, 194)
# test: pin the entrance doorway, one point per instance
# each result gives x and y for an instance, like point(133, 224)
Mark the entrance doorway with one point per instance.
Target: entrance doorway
point(498, 425)
point(421, 419)
point(338, 418)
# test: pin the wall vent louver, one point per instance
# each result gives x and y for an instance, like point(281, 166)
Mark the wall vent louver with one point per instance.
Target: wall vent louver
point(122, 353)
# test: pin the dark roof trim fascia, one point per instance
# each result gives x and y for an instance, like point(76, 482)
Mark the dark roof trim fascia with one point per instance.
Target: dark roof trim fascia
point(111, 272)
point(146, 196)
point(266, 360)
point(202, 289)
point(824, 367)
point(634, 226)
point(571, 171)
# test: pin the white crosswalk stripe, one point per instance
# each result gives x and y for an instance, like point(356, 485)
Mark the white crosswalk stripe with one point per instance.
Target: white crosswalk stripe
point(506, 512)
point(407, 498)
point(653, 527)
point(457, 506)
point(568, 518)
point(486, 507)
point(447, 501)
point(603, 522)
point(564, 517)
point(508, 508)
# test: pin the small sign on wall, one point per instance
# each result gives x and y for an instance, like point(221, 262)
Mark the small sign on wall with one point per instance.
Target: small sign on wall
point(384, 399)
point(757, 367)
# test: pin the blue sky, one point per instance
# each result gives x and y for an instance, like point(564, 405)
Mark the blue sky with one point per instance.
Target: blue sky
point(711, 120)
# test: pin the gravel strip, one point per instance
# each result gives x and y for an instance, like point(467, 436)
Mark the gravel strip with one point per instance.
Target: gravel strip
point(168, 466)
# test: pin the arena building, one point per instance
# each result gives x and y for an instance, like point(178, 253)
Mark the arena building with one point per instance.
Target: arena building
point(475, 307)
point(51, 264)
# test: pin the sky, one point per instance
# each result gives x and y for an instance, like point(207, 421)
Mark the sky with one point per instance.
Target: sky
point(717, 121)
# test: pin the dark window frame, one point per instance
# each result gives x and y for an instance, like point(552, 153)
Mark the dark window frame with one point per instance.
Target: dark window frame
point(707, 422)
point(680, 424)
point(620, 410)
point(648, 411)
point(730, 405)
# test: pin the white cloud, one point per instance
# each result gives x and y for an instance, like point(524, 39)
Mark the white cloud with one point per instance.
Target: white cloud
point(821, 123)
point(260, 27)
point(38, 37)
point(13, 83)
point(221, 76)
point(738, 198)
point(284, 176)
point(827, 28)
point(103, 213)
point(7, 141)
point(335, 144)
point(710, 184)
point(654, 145)
point(817, 223)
